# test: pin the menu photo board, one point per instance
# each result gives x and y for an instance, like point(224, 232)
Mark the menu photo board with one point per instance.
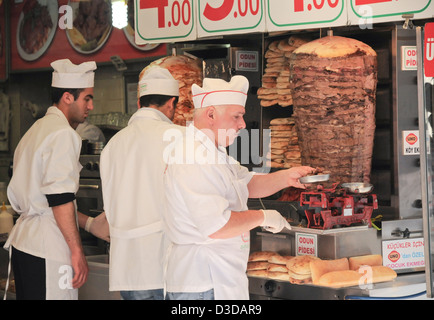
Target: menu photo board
point(45, 31)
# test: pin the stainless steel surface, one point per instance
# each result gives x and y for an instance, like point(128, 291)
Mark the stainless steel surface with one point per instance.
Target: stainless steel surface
point(357, 187)
point(407, 200)
point(394, 229)
point(402, 286)
point(331, 244)
point(315, 178)
point(425, 108)
point(97, 284)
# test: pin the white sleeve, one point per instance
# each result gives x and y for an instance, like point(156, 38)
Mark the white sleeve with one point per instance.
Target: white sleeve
point(60, 163)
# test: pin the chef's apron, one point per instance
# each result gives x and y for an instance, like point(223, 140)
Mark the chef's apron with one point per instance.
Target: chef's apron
point(59, 272)
point(228, 274)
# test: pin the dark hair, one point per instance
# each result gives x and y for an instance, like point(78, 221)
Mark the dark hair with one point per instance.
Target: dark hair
point(156, 99)
point(57, 93)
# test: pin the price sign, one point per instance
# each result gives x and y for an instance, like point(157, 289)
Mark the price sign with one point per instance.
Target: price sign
point(367, 12)
point(159, 21)
point(429, 50)
point(220, 17)
point(297, 14)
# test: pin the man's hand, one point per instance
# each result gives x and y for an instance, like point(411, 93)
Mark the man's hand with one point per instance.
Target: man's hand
point(295, 173)
point(99, 227)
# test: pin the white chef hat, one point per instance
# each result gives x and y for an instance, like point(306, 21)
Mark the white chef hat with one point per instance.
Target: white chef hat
point(158, 80)
point(216, 92)
point(71, 76)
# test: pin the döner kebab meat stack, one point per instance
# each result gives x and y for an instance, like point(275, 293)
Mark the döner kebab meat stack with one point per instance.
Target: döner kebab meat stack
point(187, 71)
point(333, 82)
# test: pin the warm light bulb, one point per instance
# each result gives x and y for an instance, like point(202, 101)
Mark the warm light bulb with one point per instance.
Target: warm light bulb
point(119, 14)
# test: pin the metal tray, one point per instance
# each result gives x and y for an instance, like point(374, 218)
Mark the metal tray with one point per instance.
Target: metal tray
point(315, 178)
point(357, 187)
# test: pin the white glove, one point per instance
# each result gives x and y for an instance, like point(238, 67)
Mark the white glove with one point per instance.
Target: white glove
point(274, 222)
point(99, 227)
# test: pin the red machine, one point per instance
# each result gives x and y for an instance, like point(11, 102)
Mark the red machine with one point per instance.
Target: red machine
point(334, 207)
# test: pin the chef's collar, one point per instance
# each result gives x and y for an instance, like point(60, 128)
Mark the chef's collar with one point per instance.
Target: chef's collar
point(146, 112)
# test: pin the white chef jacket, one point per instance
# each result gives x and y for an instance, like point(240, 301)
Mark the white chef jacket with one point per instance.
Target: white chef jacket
point(46, 161)
point(201, 193)
point(131, 168)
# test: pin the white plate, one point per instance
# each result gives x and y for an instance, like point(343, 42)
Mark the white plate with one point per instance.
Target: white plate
point(130, 38)
point(54, 14)
point(74, 5)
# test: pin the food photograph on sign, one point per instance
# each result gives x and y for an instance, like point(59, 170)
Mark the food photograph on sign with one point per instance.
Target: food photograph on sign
point(91, 26)
point(36, 28)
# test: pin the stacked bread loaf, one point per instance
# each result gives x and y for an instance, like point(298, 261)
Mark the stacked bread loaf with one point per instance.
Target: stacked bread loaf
point(284, 148)
point(333, 82)
point(268, 264)
point(275, 80)
point(187, 71)
point(337, 273)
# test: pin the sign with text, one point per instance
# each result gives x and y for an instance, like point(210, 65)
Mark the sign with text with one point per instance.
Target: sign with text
point(408, 58)
point(218, 17)
point(403, 253)
point(410, 142)
point(247, 60)
point(306, 244)
point(164, 21)
point(428, 57)
point(299, 14)
point(366, 12)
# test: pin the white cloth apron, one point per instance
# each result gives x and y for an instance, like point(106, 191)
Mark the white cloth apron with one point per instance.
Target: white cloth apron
point(224, 260)
point(50, 147)
point(132, 167)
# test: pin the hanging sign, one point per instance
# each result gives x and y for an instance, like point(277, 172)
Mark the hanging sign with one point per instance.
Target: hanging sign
point(299, 14)
point(428, 59)
point(218, 17)
point(162, 21)
point(366, 12)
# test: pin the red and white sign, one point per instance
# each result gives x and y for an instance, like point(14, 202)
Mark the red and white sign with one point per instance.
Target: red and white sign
point(162, 21)
point(408, 58)
point(428, 59)
point(299, 14)
point(218, 17)
point(306, 244)
point(410, 142)
point(366, 12)
point(404, 253)
point(247, 61)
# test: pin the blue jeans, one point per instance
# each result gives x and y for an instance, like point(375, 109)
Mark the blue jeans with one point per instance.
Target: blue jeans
point(207, 295)
point(155, 294)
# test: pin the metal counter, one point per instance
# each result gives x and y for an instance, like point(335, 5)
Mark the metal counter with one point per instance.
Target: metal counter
point(407, 286)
